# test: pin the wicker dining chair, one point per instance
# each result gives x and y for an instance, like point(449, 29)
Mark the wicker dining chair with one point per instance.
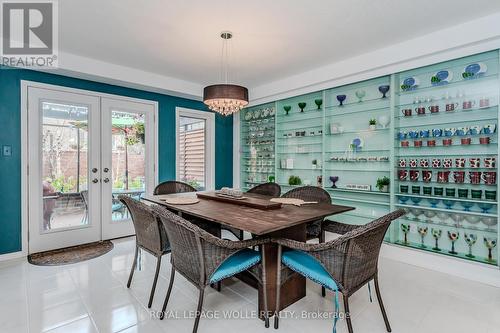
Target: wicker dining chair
point(172, 186)
point(204, 259)
point(311, 193)
point(269, 189)
point(344, 264)
point(150, 236)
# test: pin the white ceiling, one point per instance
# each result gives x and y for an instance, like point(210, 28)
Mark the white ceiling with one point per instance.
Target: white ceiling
point(273, 39)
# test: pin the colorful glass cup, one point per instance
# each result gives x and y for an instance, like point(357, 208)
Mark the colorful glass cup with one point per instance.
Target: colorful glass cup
point(450, 192)
point(490, 195)
point(476, 194)
point(415, 189)
point(463, 192)
point(438, 191)
point(427, 190)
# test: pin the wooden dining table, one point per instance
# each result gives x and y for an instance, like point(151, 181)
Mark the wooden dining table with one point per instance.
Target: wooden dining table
point(286, 221)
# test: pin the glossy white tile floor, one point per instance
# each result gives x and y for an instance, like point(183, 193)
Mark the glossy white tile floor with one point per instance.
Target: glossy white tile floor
point(92, 297)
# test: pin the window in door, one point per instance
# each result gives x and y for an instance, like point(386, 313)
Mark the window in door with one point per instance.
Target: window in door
point(194, 149)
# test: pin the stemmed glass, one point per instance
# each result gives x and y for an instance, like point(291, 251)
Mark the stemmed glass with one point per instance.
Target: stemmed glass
point(436, 233)
point(360, 94)
point(302, 105)
point(490, 244)
point(341, 99)
point(406, 229)
point(334, 179)
point(287, 109)
point(470, 239)
point(383, 89)
point(453, 236)
point(318, 102)
point(449, 203)
point(423, 232)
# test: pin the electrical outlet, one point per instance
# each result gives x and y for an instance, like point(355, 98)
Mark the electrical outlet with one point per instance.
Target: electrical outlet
point(7, 150)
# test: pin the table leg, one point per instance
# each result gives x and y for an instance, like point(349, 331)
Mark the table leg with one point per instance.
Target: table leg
point(295, 287)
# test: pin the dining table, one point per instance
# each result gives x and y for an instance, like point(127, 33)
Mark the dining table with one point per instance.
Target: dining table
point(277, 221)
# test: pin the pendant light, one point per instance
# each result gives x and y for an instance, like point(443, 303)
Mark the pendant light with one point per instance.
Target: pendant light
point(225, 98)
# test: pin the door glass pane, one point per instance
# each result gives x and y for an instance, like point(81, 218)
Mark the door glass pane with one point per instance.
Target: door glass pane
point(64, 165)
point(192, 136)
point(128, 159)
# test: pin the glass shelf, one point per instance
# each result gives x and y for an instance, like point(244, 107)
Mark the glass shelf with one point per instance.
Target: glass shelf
point(371, 202)
point(378, 131)
point(492, 144)
point(445, 113)
point(356, 191)
point(447, 210)
point(355, 170)
point(421, 183)
point(476, 201)
point(444, 251)
point(453, 84)
point(357, 152)
point(456, 225)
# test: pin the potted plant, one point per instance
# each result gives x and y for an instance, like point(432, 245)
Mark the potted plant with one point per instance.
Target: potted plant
point(383, 184)
point(314, 164)
point(294, 180)
point(373, 124)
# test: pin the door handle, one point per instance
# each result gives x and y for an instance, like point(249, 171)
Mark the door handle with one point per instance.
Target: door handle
point(106, 170)
point(95, 180)
point(94, 170)
point(106, 180)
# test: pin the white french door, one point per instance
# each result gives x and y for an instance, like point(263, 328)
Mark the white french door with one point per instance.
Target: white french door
point(126, 159)
point(84, 151)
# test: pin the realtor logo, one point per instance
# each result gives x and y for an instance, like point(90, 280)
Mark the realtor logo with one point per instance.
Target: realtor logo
point(29, 31)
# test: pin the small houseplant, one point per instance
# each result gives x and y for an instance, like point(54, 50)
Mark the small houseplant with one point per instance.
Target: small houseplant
point(373, 124)
point(314, 164)
point(294, 180)
point(383, 184)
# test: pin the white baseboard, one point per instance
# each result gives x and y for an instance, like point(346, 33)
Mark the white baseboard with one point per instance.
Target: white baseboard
point(469, 270)
point(12, 256)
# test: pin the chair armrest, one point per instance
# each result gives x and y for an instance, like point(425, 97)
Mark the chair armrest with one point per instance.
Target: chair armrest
point(338, 227)
point(307, 247)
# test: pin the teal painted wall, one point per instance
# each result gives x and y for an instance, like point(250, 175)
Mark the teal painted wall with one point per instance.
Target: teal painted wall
point(10, 134)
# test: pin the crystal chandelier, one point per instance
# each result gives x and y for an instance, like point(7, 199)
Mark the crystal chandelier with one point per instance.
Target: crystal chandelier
point(225, 98)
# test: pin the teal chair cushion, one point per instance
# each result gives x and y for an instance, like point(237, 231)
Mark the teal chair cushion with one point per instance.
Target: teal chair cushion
point(238, 262)
point(309, 267)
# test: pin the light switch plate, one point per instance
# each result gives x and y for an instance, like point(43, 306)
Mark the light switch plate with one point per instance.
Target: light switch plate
point(7, 150)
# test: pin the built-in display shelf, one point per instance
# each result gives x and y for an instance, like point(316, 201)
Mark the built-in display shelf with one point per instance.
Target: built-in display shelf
point(353, 135)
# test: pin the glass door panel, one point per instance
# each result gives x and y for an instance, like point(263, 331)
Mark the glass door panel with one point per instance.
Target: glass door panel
point(63, 149)
point(127, 160)
point(64, 165)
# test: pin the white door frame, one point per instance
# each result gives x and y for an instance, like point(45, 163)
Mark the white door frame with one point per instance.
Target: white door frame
point(25, 84)
point(209, 118)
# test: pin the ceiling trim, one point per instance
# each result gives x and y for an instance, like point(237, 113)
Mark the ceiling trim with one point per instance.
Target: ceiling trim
point(460, 40)
point(105, 72)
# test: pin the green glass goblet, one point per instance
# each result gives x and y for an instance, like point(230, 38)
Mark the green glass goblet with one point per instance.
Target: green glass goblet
point(318, 102)
point(287, 109)
point(302, 105)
